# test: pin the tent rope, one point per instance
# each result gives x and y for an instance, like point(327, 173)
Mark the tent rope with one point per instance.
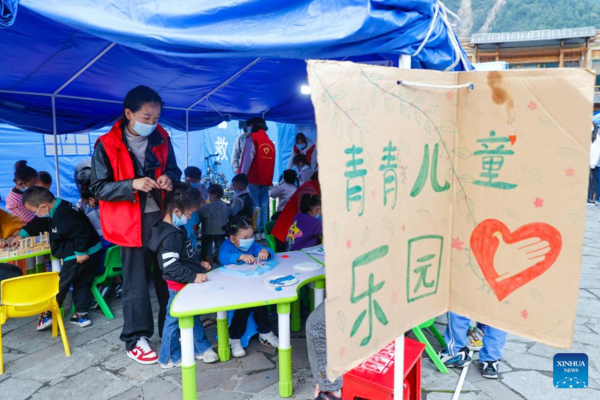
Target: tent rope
point(442, 12)
point(442, 87)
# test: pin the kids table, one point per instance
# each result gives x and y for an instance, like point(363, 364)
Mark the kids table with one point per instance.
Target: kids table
point(54, 261)
point(222, 293)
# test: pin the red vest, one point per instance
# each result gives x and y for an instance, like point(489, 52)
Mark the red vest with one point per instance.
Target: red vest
point(308, 154)
point(263, 166)
point(121, 221)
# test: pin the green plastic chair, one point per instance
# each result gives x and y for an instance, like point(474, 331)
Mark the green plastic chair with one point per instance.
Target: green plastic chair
point(113, 268)
point(418, 331)
point(269, 227)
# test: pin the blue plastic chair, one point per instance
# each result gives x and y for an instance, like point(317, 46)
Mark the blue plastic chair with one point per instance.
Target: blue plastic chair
point(251, 328)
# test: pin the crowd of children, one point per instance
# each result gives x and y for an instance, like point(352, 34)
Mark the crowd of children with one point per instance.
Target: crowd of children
point(227, 237)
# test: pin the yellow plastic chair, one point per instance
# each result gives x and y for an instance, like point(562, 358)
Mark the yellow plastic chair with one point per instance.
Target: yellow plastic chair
point(255, 218)
point(30, 295)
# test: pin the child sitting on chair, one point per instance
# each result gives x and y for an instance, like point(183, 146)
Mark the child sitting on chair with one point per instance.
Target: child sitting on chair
point(76, 242)
point(240, 248)
point(214, 217)
point(307, 227)
point(180, 265)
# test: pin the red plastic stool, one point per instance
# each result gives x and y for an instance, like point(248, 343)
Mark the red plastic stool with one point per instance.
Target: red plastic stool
point(374, 378)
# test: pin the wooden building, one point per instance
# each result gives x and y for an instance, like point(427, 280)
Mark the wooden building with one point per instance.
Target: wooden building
point(552, 48)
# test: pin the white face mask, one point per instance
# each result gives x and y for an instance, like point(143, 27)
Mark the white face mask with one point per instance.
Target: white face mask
point(143, 129)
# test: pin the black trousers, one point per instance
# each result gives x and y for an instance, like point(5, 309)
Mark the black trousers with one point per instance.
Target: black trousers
point(593, 187)
point(138, 320)
point(240, 320)
point(81, 276)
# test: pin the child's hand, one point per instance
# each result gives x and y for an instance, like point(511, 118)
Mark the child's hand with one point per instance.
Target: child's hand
point(206, 265)
point(247, 258)
point(13, 241)
point(263, 255)
point(201, 278)
point(83, 258)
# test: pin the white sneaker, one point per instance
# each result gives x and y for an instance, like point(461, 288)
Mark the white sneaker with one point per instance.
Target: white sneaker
point(209, 356)
point(236, 348)
point(269, 339)
point(170, 365)
point(143, 353)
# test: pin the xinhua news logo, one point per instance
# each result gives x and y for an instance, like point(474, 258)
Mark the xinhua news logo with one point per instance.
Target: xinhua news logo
point(571, 371)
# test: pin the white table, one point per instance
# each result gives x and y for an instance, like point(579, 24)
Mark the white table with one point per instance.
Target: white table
point(224, 292)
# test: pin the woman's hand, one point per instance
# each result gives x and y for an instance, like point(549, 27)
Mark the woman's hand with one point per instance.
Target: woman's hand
point(206, 265)
point(201, 278)
point(144, 184)
point(263, 255)
point(164, 182)
point(247, 258)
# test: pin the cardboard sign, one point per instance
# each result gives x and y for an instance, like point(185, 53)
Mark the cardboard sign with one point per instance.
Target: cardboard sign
point(438, 198)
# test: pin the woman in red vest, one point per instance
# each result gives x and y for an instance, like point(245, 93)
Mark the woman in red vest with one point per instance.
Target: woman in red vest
point(308, 148)
point(258, 163)
point(131, 166)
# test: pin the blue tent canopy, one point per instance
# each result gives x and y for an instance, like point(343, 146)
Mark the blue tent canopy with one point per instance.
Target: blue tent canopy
point(211, 61)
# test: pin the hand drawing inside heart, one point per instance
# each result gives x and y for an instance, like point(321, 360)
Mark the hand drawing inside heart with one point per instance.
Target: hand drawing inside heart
point(523, 255)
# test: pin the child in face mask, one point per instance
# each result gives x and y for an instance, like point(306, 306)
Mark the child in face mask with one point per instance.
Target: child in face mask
point(307, 228)
point(24, 178)
point(193, 176)
point(240, 248)
point(180, 265)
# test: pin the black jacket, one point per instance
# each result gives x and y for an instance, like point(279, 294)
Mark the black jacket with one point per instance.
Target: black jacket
point(175, 253)
point(103, 184)
point(71, 232)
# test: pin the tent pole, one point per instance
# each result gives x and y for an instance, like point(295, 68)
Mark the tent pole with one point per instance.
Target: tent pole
point(403, 63)
point(55, 133)
point(187, 119)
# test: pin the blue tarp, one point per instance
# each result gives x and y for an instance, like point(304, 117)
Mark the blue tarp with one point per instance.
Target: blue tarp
point(234, 58)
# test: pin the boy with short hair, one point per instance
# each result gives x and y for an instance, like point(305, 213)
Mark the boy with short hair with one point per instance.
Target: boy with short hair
point(193, 176)
point(45, 180)
point(242, 204)
point(214, 218)
point(76, 242)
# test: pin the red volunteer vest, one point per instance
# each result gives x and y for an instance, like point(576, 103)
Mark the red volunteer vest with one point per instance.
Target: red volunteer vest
point(121, 221)
point(263, 166)
point(308, 154)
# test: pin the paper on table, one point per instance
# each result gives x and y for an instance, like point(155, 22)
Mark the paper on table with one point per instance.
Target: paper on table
point(249, 269)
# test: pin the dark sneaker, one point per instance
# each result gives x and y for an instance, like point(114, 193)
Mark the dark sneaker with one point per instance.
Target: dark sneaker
point(81, 320)
point(45, 321)
point(489, 369)
point(460, 360)
point(118, 290)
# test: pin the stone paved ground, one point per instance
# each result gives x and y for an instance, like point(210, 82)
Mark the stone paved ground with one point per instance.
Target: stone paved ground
point(37, 369)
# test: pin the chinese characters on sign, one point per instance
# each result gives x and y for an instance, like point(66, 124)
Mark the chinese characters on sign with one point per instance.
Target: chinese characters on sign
point(493, 161)
point(422, 178)
point(355, 184)
point(423, 272)
point(390, 178)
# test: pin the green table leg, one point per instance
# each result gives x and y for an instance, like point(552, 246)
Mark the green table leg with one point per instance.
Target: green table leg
point(188, 362)
point(286, 386)
point(223, 350)
point(319, 292)
point(296, 319)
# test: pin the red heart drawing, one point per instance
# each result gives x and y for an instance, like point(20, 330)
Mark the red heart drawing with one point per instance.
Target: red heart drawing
point(513, 139)
point(484, 243)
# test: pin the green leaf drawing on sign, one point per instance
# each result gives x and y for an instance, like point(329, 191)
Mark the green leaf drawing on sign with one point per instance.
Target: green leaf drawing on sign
point(393, 266)
point(419, 99)
point(448, 126)
point(379, 313)
point(361, 85)
point(511, 213)
point(359, 108)
point(578, 220)
point(367, 126)
point(374, 94)
point(547, 122)
point(474, 108)
point(462, 152)
point(404, 110)
point(432, 109)
point(445, 222)
point(336, 231)
point(341, 95)
point(405, 147)
point(389, 107)
point(537, 296)
point(418, 117)
point(335, 123)
point(423, 212)
point(456, 265)
point(466, 178)
point(365, 236)
point(388, 225)
point(357, 323)
point(532, 174)
point(341, 321)
point(471, 204)
point(428, 126)
point(568, 152)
